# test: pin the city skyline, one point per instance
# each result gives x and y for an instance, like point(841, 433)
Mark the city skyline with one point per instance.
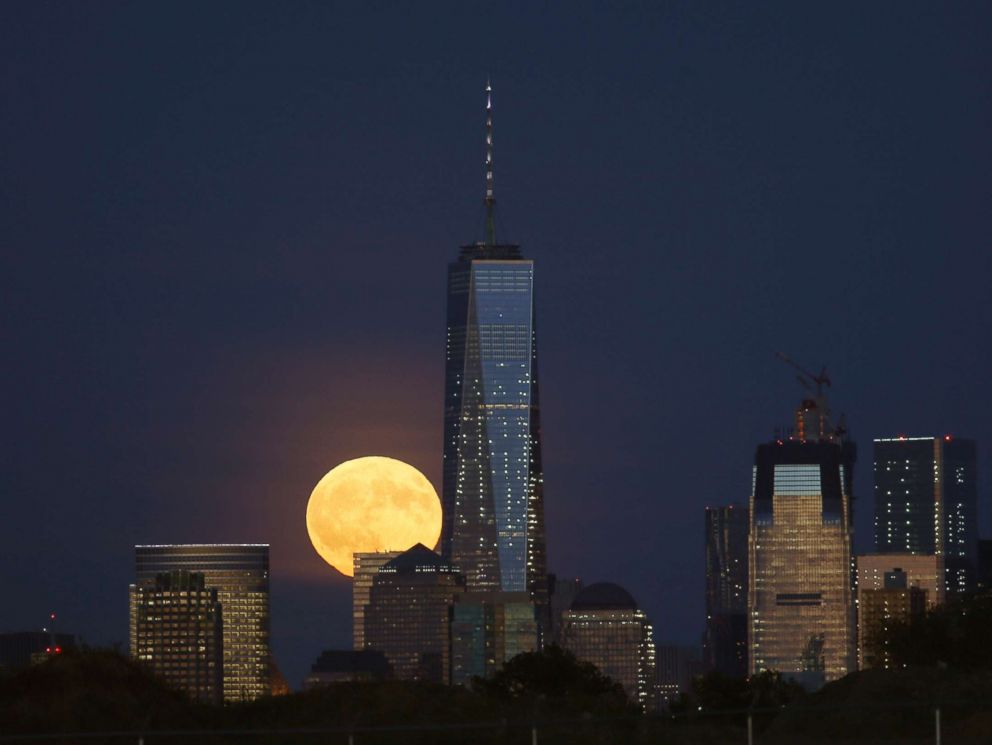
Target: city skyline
point(234, 282)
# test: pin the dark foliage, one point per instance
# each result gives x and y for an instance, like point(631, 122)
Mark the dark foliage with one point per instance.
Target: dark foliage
point(954, 635)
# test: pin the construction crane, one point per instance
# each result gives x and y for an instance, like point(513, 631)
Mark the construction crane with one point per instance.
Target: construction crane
point(805, 377)
point(813, 406)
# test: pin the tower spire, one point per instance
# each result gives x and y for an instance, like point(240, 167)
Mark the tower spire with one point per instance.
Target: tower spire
point(490, 197)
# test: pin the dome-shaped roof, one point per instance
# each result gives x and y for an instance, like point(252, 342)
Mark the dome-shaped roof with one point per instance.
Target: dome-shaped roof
point(604, 596)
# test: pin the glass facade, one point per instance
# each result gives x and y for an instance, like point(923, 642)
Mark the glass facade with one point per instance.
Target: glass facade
point(487, 629)
point(800, 594)
point(493, 525)
point(178, 633)
point(365, 567)
point(240, 575)
point(926, 502)
point(726, 590)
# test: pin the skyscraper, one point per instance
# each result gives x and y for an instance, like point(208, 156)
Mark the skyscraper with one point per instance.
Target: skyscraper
point(726, 590)
point(178, 632)
point(926, 502)
point(800, 601)
point(604, 626)
point(366, 566)
point(240, 575)
point(409, 611)
point(493, 524)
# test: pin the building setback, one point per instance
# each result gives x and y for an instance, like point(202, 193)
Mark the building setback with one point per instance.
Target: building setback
point(240, 575)
point(178, 633)
point(801, 618)
point(493, 480)
point(408, 614)
point(605, 627)
point(725, 640)
point(926, 502)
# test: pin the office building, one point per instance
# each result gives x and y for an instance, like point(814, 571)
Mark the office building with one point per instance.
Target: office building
point(487, 630)
point(801, 619)
point(366, 565)
point(921, 573)
point(240, 575)
point(677, 666)
point(347, 666)
point(178, 632)
point(926, 502)
point(925, 571)
point(408, 614)
point(493, 480)
point(725, 639)
point(563, 592)
point(895, 602)
point(605, 627)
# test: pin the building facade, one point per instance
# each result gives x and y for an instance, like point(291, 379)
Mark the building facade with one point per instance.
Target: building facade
point(178, 632)
point(366, 566)
point(240, 575)
point(493, 479)
point(895, 602)
point(408, 614)
point(921, 570)
point(487, 630)
point(605, 627)
point(926, 502)
point(801, 619)
point(725, 640)
point(677, 666)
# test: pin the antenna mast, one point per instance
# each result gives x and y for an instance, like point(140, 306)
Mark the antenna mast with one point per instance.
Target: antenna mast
point(490, 238)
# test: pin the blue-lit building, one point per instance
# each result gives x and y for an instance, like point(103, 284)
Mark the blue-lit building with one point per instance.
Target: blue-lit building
point(493, 526)
point(926, 502)
point(489, 629)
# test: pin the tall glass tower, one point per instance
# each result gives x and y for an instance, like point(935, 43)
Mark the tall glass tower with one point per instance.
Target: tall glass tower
point(493, 525)
point(801, 619)
point(926, 502)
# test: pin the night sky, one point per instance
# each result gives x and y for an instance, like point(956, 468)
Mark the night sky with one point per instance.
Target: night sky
point(224, 230)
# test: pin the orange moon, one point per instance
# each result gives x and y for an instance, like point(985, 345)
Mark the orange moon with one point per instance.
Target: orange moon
point(371, 504)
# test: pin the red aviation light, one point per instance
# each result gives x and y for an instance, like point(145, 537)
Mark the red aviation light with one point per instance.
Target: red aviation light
point(947, 438)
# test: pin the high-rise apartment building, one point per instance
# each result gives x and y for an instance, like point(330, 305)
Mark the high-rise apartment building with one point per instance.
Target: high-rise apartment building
point(240, 575)
point(801, 619)
point(605, 627)
point(178, 633)
point(879, 608)
point(408, 614)
point(493, 524)
point(366, 566)
point(725, 641)
point(487, 630)
point(926, 502)
point(920, 578)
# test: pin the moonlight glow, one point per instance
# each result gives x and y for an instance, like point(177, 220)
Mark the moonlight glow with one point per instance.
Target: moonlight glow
point(371, 504)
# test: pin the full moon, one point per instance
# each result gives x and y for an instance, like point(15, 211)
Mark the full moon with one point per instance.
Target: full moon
point(371, 504)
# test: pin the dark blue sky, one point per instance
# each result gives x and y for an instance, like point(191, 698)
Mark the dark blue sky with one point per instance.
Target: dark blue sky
point(224, 230)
